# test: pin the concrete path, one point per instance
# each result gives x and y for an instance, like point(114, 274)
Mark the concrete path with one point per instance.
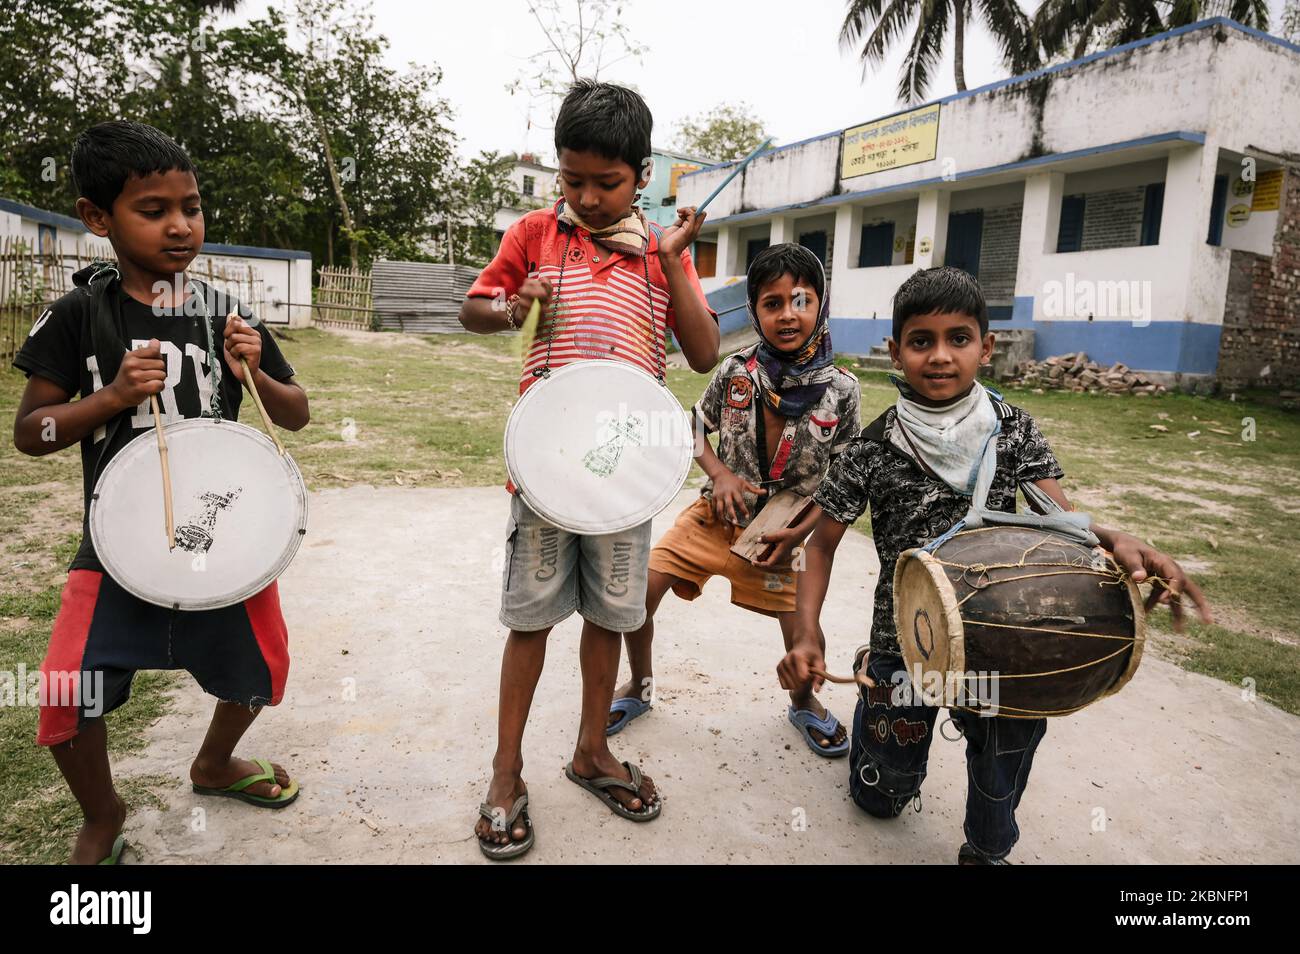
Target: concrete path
point(389, 725)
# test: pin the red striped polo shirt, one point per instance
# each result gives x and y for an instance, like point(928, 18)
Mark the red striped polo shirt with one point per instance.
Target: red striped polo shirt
point(605, 310)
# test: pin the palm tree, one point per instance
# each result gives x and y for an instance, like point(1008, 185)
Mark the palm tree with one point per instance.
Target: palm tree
point(883, 22)
point(1099, 24)
point(1251, 13)
point(195, 12)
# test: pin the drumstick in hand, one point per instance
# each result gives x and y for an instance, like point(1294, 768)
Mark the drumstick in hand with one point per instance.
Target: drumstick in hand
point(166, 472)
point(257, 398)
point(860, 678)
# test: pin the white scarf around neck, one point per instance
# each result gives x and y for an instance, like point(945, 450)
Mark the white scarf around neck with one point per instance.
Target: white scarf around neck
point(955, 440)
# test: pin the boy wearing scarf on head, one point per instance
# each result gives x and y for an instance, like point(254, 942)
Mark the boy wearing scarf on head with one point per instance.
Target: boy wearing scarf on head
point(782, 412)
point(947, 451)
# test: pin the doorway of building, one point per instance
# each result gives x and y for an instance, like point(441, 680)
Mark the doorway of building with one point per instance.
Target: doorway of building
point(815, 242)
point(963, 249)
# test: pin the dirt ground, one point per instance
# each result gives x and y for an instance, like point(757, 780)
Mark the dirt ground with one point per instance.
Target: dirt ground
point(388, 723)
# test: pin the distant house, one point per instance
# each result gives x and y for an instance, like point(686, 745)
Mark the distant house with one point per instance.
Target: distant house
point(659, 198)
point(535, 187)
point(267, 279)
point(1137, 204)
point(538, 185)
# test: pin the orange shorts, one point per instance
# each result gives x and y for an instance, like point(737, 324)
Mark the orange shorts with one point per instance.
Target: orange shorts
point(698, 546)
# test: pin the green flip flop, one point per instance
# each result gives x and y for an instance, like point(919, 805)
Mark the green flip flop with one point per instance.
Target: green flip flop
point(288, 793)
point(116, 855)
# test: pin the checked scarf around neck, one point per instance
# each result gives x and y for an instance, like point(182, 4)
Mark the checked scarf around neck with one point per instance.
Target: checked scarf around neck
point(629, 235)
point(793, 382)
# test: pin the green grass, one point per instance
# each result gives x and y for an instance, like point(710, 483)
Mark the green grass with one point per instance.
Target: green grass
point(1227, 508)
point(430, 412)
point(38, 816)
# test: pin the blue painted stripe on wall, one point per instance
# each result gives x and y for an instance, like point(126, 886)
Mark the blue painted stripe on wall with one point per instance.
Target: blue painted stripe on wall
point(1022, 312)
point(1160, 346)
point(859, 335)
point(1187, 347)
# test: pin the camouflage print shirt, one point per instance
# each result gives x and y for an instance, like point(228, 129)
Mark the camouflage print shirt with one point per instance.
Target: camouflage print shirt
point(909, 508)
point(732, 407)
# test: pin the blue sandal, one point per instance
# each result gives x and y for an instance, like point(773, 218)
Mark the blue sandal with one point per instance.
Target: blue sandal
point(629, 709)
point(804, 719)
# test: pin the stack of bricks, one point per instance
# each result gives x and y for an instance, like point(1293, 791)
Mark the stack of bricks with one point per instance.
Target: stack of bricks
point(1074, 372)
point(1260, 344)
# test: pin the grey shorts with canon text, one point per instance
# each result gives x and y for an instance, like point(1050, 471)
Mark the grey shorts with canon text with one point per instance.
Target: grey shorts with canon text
point(550, 572)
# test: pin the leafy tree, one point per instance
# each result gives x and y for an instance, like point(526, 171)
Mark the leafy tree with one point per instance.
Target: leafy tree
point(1073, 28)
point(380, 145)
point(582, 37)
point(724, 133)
point(880, 24)
point(61, 69)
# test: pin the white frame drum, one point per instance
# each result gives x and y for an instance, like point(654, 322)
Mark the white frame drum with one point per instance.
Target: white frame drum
point(598, 447)
point(241, 513)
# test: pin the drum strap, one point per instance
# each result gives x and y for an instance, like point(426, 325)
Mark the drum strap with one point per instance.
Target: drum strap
point(661, 358)
point(107, 339)
point(201, 291)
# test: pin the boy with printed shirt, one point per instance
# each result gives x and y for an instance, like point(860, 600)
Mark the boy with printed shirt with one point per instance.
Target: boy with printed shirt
point(609, 286)
point(918, 466)
point(126, 333)
point(782, 412)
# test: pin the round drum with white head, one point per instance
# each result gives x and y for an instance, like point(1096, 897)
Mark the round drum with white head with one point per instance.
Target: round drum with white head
point(598, 447)
point(240, 513)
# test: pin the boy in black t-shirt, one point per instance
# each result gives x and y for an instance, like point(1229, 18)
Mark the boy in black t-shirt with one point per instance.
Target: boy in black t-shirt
point(918, 467)
point(127, 332)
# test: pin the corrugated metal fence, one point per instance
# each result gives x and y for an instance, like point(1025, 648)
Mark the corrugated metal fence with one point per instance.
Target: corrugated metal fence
point(419, 296)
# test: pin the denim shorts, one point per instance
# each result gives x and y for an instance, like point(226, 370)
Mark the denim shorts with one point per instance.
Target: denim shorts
point(549, 573)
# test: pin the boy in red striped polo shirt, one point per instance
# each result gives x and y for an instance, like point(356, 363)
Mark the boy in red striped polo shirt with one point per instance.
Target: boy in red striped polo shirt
point(593, 262)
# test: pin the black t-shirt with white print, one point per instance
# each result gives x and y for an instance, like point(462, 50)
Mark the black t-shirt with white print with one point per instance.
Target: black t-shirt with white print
point(60, 348)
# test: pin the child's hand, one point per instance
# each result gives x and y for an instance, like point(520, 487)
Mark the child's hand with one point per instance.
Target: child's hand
point(1142, 560)
point(143, 372)
point(241, 340)
point(785, 543)
point(796, 670)
point(534, 289)
point(729, 496)
point(679, 236)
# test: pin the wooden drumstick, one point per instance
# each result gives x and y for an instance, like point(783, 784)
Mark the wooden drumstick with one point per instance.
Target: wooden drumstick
point(859, 678)
point(257, 398)
point(166, 472)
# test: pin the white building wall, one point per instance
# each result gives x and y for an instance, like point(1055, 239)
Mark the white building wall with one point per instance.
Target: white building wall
point(286, 281)
point(1155, 101)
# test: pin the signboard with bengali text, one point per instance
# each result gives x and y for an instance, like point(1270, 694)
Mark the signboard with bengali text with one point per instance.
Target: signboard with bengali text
point(900, 140)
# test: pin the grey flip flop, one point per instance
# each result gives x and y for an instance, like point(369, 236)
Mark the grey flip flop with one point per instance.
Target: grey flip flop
point(600, 788)
point(512, 848)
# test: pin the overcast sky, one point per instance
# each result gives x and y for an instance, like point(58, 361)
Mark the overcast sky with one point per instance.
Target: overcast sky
point(782, 58)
